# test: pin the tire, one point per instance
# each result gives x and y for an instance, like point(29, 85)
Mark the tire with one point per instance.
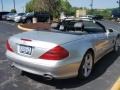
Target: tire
point(116, 46)
point(28, 21)
point(86, 66)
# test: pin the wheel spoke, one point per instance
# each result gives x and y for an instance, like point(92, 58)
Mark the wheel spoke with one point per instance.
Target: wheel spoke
point(87, 67)
point(117, 45)
point(85, 72)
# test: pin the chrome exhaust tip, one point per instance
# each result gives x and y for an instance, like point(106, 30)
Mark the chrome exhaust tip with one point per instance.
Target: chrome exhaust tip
point(12, 65)
point(48, 77)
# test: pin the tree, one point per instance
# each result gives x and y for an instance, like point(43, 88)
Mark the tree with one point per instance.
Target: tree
point(54, 7)
point(29, 6)
point(40, 5)
point(13, 10)
point(106, 13)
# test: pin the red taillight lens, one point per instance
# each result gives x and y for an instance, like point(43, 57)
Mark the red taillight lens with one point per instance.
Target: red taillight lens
point(8, 46)
point(57, 53)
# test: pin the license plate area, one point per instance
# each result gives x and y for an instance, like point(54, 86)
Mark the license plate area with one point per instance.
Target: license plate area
point(24, 49)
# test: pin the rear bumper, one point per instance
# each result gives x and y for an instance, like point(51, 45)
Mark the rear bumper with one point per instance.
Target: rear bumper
point(44, 67)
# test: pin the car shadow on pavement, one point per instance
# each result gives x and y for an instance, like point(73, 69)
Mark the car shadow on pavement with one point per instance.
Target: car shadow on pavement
point(99, 69)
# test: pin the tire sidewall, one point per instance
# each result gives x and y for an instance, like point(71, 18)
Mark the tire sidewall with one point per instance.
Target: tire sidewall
point(28, 21)
point(80, 71)
point(116, 50)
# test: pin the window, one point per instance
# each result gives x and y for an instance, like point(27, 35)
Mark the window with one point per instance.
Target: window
point(92, 27)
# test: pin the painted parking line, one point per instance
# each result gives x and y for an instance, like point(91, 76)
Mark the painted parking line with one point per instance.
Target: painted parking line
point(2, 61)
point(116, 86)
point(7, 22)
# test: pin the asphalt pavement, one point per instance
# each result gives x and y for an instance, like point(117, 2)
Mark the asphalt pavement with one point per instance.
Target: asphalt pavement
point(105, 73)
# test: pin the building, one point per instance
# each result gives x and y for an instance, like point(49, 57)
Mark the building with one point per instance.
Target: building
point(81, 12)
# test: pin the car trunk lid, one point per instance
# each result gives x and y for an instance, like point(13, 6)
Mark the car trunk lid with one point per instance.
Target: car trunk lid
point(53, 37)
point(36, 43)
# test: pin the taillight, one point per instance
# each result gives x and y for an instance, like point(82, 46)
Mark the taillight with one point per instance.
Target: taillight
point(8, 46)
point(57, 53)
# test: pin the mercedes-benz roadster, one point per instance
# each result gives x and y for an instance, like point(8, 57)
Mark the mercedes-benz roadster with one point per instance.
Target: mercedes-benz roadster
point(69, 49)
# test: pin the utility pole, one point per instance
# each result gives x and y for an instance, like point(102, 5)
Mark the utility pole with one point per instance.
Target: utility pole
point(23, 9)
point(119, 4)
point(2, 5)
point(14, 4)
point(91, 5)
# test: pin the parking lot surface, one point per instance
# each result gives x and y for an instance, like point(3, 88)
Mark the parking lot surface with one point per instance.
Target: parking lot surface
point(105, 73)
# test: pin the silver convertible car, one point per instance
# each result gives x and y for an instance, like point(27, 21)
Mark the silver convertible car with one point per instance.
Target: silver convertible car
point(69, 49)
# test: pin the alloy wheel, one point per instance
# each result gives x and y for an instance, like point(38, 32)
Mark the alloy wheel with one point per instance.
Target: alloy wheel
point(88, 64)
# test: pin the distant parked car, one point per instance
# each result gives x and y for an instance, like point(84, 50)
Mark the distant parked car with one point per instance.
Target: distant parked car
point(97, 17)
point(2, 14)
point(25, 18)
point(116, 14)
point(4, 17)
point(41, 17)
point(17, 17)
point(87, 17)
point(10, 16)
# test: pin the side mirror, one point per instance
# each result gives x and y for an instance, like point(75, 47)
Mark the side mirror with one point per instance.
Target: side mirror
point(110, 30)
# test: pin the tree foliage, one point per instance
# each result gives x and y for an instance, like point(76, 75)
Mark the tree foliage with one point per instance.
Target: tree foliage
point(52, 6)
point(13, 11)
point(41, 5)
point(29, 6)
point(106, 13)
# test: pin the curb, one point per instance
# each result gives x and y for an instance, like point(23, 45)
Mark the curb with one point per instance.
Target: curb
point(116, 86)
point(24, 29)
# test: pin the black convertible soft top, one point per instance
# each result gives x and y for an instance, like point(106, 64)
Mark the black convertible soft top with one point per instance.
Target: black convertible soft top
point(80, 26)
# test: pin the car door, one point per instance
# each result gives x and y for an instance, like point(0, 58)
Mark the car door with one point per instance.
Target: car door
point(103, 42)
point(100, 38)
point(111, 38)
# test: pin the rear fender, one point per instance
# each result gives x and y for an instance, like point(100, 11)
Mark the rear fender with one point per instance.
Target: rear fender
point(77, 49)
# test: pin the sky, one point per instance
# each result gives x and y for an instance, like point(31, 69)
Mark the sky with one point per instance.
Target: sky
point(100, 4)
point(8, 5)
point(20, 4)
